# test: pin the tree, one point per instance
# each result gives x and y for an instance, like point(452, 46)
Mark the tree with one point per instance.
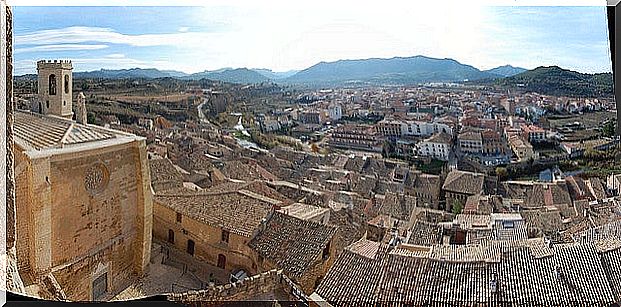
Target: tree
point(457, 207)
point(609, 128)
point(502, 173)
point(314, 148)
point(90, 118)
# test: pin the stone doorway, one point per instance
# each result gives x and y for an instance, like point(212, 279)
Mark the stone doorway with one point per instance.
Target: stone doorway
point(190, 249)
point(221, 261)
point(100, 286)
point(171, 236)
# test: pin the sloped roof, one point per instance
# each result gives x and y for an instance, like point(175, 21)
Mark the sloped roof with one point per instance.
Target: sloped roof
point(525, 272)
point(292, 243)
point(464, 182)
point(238, 212)
point(39, 132)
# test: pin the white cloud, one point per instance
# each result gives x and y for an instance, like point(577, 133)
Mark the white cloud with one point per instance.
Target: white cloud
point(77, 35)
point(183, 29)
point(64, 47)
point(115, 56)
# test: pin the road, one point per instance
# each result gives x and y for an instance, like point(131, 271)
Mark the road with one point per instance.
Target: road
point(201, 115)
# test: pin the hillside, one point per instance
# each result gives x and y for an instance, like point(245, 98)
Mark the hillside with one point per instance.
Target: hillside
point(398, 70)
point(146, 73)
point(557, 81)
point(506, 71)
point(239, 75)
point(274, 75)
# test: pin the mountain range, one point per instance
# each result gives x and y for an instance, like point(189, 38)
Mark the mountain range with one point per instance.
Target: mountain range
point(391, 71)
point(397, 70)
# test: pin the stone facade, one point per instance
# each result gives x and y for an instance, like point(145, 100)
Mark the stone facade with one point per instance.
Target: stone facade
point(13, 280)
point(80, 109)
point(105, 193)
point(208, 244)
point(83, 200)
point(258, 287)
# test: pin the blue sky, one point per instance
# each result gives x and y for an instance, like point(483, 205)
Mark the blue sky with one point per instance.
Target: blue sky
point(297, 35)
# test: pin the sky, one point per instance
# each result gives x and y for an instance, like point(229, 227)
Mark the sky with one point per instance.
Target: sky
point(293, 35)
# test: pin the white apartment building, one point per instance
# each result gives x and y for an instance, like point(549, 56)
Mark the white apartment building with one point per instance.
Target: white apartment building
point(438, 146)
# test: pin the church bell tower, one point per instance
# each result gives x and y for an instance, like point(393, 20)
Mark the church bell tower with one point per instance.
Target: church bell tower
point(55, 88)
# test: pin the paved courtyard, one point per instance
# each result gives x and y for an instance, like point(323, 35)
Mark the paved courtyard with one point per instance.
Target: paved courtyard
point(171, 270)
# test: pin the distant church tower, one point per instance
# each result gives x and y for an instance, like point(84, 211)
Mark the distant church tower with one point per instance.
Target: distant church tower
point(80, 109)
point(55, 88)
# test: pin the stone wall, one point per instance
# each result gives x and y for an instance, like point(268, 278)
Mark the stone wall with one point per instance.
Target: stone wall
point(252, 288)
point(10, 183)
point(79, 229)
point(22, 197)
point(207, 239)
point(13, 281)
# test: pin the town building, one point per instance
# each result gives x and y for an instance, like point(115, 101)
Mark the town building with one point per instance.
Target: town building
point(459, 185)
point(522, 149)
point(533, 133)
point(97, 178)
point(355, 137)
point(439, 146)
point(470, 142)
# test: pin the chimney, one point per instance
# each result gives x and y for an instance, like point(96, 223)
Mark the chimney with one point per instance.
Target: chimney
point(80, 107)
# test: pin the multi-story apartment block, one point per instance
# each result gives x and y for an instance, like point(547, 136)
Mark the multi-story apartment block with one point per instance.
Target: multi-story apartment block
point(438, 146)
point(470, 142)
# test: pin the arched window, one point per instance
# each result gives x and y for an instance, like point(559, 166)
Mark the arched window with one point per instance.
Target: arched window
point(66, 84)
point(52, 85)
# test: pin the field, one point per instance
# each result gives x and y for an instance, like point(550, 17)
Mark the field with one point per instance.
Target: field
point(176, 97)
point(588, 120)
point(590, 124)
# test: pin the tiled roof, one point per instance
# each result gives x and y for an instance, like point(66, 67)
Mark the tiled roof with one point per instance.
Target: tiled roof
point(440, 138)
point(464, 182)
point(547, 194)
point(611, 263)
point(164, 175)
point(525, 272)
point(425, 233)
point(44, 132)
point(398, 206)
point(242, 170)
point(470, 136)
point(236, 212)
point(293, 244)
point(353, 278)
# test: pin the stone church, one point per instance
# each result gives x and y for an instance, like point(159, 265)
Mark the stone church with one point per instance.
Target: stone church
point(82, 196)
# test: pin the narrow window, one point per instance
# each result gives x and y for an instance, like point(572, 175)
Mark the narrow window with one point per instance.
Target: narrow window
point(178, 217)
point(326, 251)
point(66, 84)
point(52, 85)
point(225, 236)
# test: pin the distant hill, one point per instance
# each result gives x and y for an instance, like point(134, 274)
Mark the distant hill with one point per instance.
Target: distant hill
point(398, 70)
point(146, 73)
point(275, 75)
point(557, 81)
point(506, 70)
point(239, 75)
